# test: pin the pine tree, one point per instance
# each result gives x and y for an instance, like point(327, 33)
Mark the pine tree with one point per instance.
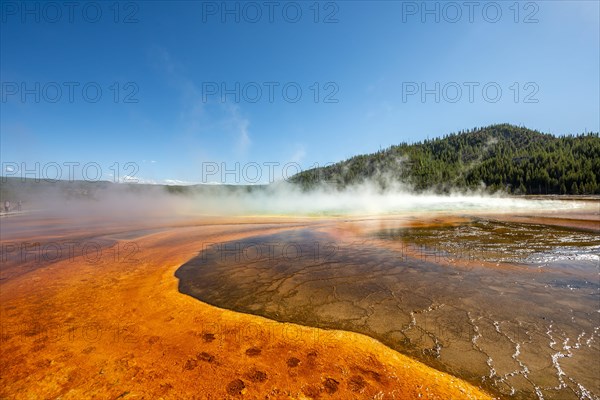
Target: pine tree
point(574, 188)
point(563, 188)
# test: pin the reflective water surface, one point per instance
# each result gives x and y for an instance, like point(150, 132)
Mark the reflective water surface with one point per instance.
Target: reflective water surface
point(511, 307)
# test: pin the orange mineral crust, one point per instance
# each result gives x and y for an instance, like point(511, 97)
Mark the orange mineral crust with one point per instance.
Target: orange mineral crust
point(116, 326)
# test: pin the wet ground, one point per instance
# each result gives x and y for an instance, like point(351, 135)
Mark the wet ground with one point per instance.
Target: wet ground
point(90, 308)
point(512, 307)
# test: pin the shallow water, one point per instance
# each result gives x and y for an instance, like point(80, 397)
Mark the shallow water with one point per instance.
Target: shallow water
point(497, 241)
point(511, 307)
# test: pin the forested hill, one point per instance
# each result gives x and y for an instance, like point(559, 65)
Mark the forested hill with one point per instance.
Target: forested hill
point(501, 157)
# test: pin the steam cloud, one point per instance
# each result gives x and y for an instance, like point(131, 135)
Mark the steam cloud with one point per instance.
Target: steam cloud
point(122, 202)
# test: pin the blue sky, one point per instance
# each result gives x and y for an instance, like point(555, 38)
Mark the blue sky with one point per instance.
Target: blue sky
point(361, 68)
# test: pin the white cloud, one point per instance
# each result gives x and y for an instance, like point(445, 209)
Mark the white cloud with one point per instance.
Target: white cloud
point(134, 179)
point(148, 181)
point(177, 182)
point(201, 119)
point(207, 127)
point(240, 128)
point(299, 154)
point(379, 110)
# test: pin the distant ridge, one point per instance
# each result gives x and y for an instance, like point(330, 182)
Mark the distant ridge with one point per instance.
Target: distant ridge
point(27, 189)
point(503, 157)
point(498, 157)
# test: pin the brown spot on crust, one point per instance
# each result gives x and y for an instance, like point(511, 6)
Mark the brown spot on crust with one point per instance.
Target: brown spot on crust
point(292, 362)
point(29, 333)
point(204, 356)
point(208, 337)
point(373, 374)
point(166, 387)
point(153, 339)
point(88, 350)
point(235, 387)
point(357, 383)
point(331, 385)
point(253, 351)
point(312, 391)
point(38, 347)
point(256, 376)
point(11, 349)
point(41, 340)
point(66, 355)
point(45, 363)
point(190, 364)
point(311, 358)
